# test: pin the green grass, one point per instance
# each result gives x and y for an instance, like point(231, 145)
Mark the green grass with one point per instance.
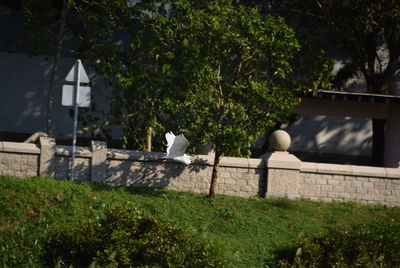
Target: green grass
point(246, 230)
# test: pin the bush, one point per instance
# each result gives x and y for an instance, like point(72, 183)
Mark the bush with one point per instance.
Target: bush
point(376, 244)
point(125, 237)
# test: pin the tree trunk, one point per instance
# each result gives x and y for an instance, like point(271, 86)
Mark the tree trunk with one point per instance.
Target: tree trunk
point(149, 138)
point(215, 173)
point(378, 141)
point(54, 68)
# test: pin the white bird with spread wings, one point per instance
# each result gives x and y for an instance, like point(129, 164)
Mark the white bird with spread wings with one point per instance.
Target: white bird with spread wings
point(176, 146)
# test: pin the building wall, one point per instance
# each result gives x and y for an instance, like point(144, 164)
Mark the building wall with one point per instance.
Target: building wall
point(320, 134)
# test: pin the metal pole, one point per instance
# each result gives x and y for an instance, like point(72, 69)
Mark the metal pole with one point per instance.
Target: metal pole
point(76, 97)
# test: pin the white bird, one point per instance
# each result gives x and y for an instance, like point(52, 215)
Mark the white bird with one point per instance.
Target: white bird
point(176, 146)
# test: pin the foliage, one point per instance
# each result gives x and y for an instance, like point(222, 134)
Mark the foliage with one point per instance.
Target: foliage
point(126, 237)
point(244, 230)
point(231, 64)
point(373, 244)
point(213, 69)
point(217, 70)
point(366, 30)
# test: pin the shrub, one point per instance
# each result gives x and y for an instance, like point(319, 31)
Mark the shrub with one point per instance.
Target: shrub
point(376, 244)
point(126, 237)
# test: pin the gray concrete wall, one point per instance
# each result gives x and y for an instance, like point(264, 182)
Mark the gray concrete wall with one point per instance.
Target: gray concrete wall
point(331, 134)
point(368, 185)
point(23, 103)
point(279, 174)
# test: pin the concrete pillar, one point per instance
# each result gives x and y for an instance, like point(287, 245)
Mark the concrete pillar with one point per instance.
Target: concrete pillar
point(283, 174)
point(47, 164)
point(283, 168)
point(392, 137)
point(99, 157)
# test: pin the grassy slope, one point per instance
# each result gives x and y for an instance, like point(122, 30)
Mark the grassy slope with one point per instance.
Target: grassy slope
point(245, 229)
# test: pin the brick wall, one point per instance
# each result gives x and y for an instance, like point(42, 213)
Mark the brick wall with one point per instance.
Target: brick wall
point(19, 159)
point(238, 177)
point(368, 185)
point(277, 174)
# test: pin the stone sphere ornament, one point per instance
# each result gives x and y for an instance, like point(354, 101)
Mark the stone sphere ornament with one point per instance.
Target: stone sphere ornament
point(279, 140)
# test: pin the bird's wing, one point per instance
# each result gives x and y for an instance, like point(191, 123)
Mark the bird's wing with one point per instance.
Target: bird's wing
point(179, 146)
point(170, 137)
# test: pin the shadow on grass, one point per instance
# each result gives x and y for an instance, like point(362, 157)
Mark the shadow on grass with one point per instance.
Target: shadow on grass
point(135, 190)
point(283, 203)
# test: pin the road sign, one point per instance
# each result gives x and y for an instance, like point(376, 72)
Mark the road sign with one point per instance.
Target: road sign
point(77, 96)
point(72, 75)
point(68, 96)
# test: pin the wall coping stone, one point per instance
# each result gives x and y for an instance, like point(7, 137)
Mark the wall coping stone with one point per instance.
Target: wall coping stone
point(334, 168)
point(393, 173)
point(80, 151)
point(309, 167)
point(227, 161)
point(366, 171)
point(18, 147)
point(207, 160)
point(282, 160)
point(352, 170)
point(117, 154)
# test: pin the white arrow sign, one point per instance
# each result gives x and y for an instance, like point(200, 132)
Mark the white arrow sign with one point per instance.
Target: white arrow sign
point(72, 75)
point(77, 96)
point(68, 96)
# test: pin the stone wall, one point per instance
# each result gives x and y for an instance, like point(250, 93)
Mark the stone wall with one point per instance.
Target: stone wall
point(19, 159)
point(277, 174)
point(288, 176)
point(368, 185)
point(238, 176)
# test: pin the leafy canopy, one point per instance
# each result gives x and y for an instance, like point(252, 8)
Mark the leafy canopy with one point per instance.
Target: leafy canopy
point(225, 65)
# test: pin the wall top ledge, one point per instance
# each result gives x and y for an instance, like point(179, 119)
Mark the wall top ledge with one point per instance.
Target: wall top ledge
point(196, 160)
point(19, 147)
point(353, 170)
point(283, 160)
point(230, 161)
point(393, 173)
point(118, 154)
point(67, 151)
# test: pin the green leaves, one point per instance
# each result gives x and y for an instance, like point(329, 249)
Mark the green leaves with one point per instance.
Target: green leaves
point(227, 68)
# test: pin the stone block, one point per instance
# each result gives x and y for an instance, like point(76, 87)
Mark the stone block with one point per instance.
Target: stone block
point(356, 184)
point(309, 180)
point(225, 174)
point(333, 181)
point(235, 175)
point(282, 182)
point(282, 160)
point(379, 185)
point(369, 171)
point(393, 173)
point(327, 188)
point(333, 169)
point(333, 194)
point(98, 164)
point(362, 190)
point(321, 180)
point(47, 163)
point(308, 167)
point(385, 192)
point(373, 192)
point(368, 185)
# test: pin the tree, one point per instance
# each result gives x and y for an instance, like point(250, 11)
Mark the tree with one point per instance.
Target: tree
point(368, 31)
point(225, 66)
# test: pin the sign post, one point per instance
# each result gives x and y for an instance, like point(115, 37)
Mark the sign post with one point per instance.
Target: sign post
point(76, 96)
